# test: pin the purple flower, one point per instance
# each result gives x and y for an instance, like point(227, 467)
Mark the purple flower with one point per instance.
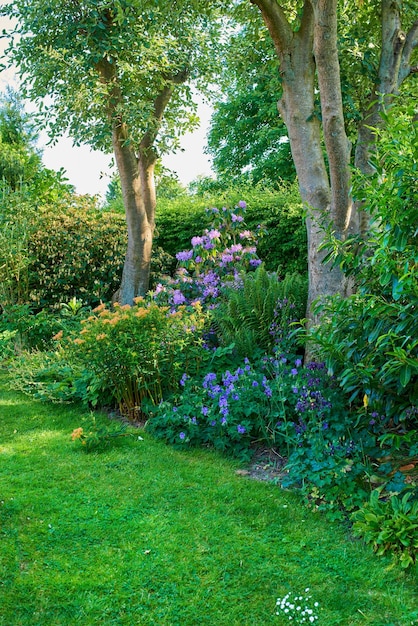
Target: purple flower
point(197, 241)
point(255, 262)
point(193, 420)
point(241, 429)
point(213, 423)
point(325, 426)
point(236, 218)
point(245, 234)
point(298, 362)
point(198, 259)
point(254, 383)
point(295, 390)
point(214, 234)
point(205, 410)
point(178, 297)
point(183, 379)
point(223, 421)
point(294, 371)
point(185, 255)
point(242, 204)
point(182, 436)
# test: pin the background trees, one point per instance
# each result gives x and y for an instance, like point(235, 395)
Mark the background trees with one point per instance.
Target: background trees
point(117, 75)
point(306, 40)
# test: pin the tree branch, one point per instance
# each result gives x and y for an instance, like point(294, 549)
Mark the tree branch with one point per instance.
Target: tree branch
point(411, 42)
point(276, 21)
point(336, 141)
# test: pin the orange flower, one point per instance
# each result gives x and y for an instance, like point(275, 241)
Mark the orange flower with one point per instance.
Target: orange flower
point(76, 434)
point(78, 341)
point(99, 308)
point(138, 299)
point(101, 336)
point(125, 307)
point(58, 336)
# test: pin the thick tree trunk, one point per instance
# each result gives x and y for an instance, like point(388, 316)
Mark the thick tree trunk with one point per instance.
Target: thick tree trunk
point(298, 110)
point(139, 202)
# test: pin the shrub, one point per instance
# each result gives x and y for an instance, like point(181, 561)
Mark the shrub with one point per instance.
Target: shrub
point(390, 526)
point(278, 403)
point(369, 340)
point(217, 259)
point(136, 353)
point(279, 212)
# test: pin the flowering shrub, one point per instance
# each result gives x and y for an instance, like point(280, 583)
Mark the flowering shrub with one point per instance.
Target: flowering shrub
point(138, 352)
point(216, 259)
point(295, 409)
point(297, 609)
point(222, 411)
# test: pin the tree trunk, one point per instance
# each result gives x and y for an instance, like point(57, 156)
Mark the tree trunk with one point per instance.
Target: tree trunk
point(297, 107)
point(139, 202)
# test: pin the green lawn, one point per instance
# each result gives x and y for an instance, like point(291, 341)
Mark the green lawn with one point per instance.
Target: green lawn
point(145, 534)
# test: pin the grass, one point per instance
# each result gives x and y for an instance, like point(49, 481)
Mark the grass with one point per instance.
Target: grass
point(144, 534)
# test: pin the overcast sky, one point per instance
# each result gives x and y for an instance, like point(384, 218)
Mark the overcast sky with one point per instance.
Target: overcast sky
point(89, 171)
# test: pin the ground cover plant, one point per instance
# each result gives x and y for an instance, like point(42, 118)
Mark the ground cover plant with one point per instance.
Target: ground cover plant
point(144, 533)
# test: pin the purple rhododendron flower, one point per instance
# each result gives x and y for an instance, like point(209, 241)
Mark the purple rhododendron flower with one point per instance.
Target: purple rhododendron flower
point(214, 234)
point(197, 241)
point(178, 297)
point(185, 255)
point(242, 204)
point(245, 234)
point(236, 218)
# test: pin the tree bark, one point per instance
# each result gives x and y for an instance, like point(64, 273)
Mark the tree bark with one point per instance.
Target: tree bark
point(136, 171)
point(297, 107)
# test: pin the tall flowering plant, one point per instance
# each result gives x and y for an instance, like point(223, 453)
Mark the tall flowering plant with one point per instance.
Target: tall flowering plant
point(216, 259)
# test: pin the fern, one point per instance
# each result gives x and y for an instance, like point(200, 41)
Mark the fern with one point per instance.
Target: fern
point(257, 314)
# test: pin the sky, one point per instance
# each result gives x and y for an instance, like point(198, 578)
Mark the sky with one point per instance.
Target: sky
point(90, 171)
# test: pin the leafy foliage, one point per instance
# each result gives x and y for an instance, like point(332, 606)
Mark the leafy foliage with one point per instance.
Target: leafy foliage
point(136, 353)
point(97, 436)
point(369, 339)
point(390, 525)
point(258, 315)
point(279, 212)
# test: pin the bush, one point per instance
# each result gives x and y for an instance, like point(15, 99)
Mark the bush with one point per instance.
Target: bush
point(280, 213)
point(369, 340)
point(274, 402)
point(391, 526)
point(137, 353)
